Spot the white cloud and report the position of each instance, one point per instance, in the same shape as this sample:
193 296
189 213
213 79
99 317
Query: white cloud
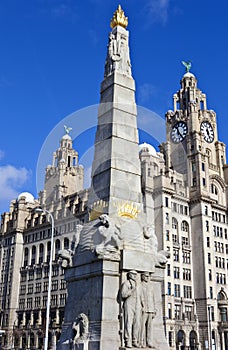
11 181
145 92
158 10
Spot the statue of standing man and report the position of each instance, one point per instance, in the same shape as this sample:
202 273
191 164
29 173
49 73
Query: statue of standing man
131 295
148 311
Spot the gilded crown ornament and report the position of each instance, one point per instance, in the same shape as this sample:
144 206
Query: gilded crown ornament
127 209
119 19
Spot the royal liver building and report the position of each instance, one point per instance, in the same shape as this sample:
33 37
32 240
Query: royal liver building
140 259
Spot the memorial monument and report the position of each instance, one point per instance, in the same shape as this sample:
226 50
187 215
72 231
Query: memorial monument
114 276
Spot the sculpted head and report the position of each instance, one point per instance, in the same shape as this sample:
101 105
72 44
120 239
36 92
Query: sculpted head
132 275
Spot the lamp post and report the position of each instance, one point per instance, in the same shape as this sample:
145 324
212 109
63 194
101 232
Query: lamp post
40 210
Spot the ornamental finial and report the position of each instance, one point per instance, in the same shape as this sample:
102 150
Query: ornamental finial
187 65
67 129
119 19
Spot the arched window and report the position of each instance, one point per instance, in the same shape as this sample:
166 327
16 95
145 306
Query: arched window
41 253
26 255
193 340
66 243
48 251
33 260
57 248
184 226
181 340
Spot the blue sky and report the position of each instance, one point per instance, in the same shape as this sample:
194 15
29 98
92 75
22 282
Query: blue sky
52 63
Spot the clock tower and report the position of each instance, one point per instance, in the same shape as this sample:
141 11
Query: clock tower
192 147
196 159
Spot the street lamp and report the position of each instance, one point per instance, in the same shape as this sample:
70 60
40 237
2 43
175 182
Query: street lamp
40 210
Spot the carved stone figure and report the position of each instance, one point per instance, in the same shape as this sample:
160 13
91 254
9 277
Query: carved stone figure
65 256
131 295
111 237
80 329
148 312
162 256
118 57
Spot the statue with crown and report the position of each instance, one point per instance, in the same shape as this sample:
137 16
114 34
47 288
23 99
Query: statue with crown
114 277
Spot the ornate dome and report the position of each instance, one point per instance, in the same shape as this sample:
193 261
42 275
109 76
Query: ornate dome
149 148
28 197
66 137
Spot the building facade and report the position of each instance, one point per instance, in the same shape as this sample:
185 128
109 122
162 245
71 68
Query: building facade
184 186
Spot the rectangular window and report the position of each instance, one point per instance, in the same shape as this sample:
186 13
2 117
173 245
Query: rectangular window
168 270
176 272
167 235
30 288
169 288
176 254
38 287
166 201
177 310
188 312
169 310
177 290
187 292
208 242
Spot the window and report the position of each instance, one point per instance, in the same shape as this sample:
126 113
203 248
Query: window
169 288
208 242
210 275
214 189
174 224
175 238
170 338
206 210
29 303
211 292
38 273
188 312
207 225
187 274
185 241
62 284
54 285
203 166
187 292
30 288
167 235
184 226
55 271
176 254
177 310
44 300
31 275
38 287
209 258
204 181
166 201
23 289
177 290
37 301
176 272
45 287
186 257
167 218
62 299
168 270
169 310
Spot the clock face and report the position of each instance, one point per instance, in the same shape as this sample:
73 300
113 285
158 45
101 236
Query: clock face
207 132
179 132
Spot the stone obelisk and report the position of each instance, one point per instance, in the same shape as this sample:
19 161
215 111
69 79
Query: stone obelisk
117 246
